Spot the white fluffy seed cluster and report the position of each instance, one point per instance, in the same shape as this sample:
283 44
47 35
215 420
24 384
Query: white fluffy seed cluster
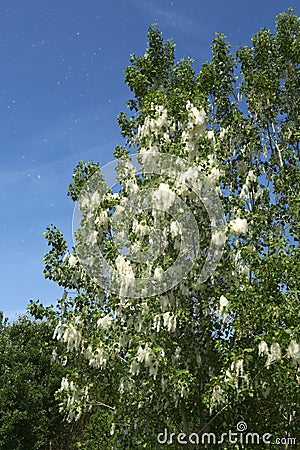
238 226
274 352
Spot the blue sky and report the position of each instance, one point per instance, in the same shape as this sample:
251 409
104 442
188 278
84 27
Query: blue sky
61 89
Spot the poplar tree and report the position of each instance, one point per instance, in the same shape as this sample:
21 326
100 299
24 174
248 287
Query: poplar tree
181 293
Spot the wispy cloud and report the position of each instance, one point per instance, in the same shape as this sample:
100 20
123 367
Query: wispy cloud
170 16
59 146
57 164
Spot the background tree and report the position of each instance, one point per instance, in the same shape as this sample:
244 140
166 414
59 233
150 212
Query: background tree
29 377
198 356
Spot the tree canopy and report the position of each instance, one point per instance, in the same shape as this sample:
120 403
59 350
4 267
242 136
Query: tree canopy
180 312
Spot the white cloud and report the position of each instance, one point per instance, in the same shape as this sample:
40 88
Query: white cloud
174 19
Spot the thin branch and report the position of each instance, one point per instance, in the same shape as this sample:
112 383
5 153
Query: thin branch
102 404
276 145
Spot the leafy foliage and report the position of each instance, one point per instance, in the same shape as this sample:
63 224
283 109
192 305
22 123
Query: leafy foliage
29 414
198 357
